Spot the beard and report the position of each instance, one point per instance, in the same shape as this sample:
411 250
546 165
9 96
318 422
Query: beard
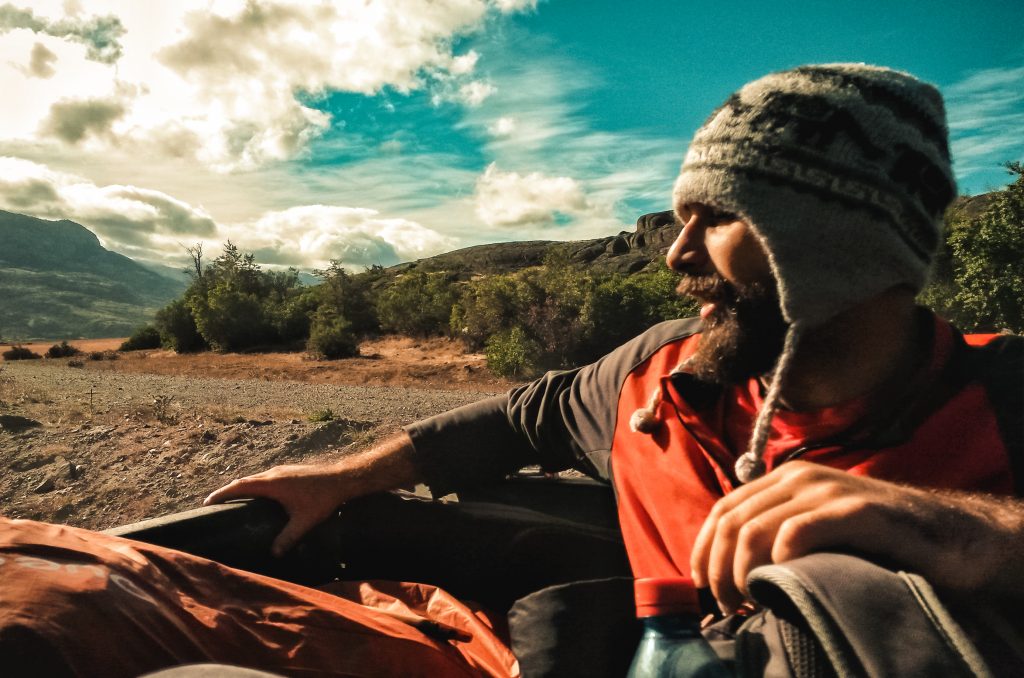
745 333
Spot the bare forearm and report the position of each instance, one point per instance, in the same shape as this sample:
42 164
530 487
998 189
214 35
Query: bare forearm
388 465
970 542
981 537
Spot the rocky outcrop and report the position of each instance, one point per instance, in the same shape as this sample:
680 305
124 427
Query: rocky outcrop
625 253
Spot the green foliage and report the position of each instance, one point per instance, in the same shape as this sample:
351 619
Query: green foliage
323 415
177 327
489 306
331 336
145 337
62 350
232 304
561 314
229 318
978 281
349 296
417 304
511 353
20 353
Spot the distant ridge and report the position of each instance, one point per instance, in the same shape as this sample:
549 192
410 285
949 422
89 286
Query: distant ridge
627 252
57 281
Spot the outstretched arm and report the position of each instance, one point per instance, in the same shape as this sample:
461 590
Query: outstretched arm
310 493
954 539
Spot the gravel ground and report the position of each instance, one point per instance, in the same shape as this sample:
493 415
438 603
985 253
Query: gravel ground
96 448
71 388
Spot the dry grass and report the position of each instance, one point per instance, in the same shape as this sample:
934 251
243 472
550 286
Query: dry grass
83 345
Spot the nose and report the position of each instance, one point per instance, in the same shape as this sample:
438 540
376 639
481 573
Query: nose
687 253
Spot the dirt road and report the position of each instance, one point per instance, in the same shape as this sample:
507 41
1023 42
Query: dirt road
106 443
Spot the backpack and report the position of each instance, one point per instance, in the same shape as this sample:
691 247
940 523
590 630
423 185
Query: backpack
826 614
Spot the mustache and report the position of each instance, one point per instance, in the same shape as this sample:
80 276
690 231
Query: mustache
707 287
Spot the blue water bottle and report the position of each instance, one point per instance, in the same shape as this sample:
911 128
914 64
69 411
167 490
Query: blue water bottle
672 645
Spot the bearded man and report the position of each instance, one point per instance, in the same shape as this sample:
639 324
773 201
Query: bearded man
811 406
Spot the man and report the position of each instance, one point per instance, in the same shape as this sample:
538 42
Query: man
811 406
810 207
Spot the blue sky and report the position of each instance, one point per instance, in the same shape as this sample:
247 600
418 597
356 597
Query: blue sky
389 130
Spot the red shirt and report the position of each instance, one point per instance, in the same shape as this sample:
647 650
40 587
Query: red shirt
944 435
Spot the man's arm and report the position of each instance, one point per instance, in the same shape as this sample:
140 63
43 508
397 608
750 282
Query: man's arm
956 540
310 493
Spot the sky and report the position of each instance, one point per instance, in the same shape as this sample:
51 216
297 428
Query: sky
380 131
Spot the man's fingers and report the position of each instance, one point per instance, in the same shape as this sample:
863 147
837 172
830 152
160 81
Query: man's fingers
236 489
290 536
720 530
701 555
851 522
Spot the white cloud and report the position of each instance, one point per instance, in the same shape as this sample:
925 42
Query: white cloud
513 199
509 6
152 226
311 235
230 83
503 126
474 93
986 116
123 216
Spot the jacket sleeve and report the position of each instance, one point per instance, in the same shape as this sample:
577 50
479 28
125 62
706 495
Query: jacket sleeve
564 419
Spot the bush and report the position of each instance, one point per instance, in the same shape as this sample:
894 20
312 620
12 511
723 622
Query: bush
349 296
75 362
20 353
62 350
331 336
320 416
144 337
512 353
230 319
177 327
103 355
988 256
417 304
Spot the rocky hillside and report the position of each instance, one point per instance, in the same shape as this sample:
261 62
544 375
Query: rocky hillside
626 252
57 281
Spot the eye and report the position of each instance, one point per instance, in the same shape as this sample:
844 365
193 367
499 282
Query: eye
720 216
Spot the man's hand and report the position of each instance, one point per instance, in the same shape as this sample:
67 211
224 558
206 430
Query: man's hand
954 540
309 494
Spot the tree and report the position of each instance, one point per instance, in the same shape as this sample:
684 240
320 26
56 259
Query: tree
417 304
349 296
988 260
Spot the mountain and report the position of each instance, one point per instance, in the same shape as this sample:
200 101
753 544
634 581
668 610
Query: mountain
627 252
57 282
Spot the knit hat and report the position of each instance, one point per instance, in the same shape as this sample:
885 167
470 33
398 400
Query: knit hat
843 173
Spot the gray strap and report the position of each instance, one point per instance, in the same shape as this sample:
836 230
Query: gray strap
869 621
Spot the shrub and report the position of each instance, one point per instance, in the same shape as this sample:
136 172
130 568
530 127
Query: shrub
75 362
349 295
417 304
230 319
142 338
20 353
103 355
62 350
331 336
177 327
988 255
512 353
323 415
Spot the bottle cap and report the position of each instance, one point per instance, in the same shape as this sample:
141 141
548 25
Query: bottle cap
657 596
